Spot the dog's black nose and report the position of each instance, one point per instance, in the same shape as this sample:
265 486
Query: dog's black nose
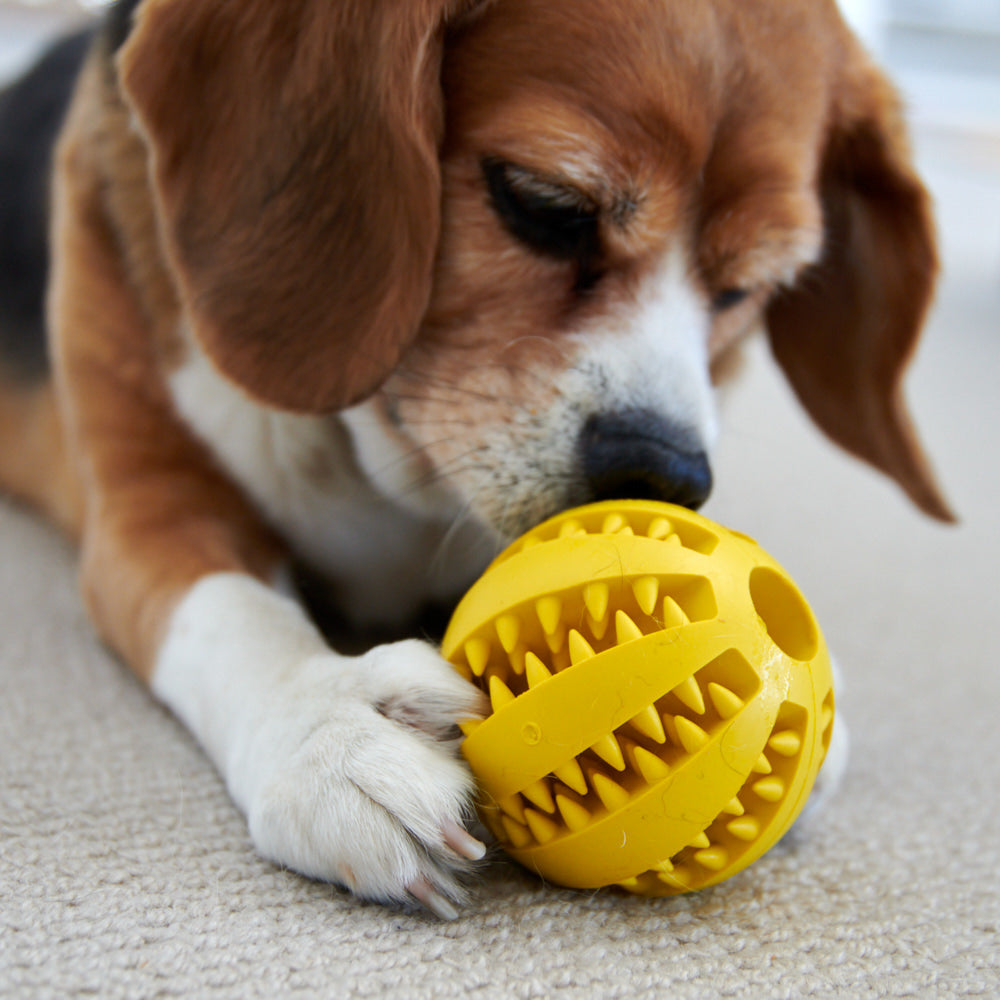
638 455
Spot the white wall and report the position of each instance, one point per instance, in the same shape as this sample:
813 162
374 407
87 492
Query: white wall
868 18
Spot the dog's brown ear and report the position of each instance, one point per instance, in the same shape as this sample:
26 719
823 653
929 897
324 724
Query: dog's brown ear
845 333
294 157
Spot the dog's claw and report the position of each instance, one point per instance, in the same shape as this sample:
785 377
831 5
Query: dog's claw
462 842
432 900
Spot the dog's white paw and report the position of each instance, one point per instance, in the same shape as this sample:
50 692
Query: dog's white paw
347 768
363 785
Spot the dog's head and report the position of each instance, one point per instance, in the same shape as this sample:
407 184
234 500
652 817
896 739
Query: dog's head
536 229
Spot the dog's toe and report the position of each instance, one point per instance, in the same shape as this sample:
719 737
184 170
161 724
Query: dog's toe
368 797
410 683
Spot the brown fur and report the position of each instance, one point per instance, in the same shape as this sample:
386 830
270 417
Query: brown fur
846 334
307 274
157 513
727 153
35 464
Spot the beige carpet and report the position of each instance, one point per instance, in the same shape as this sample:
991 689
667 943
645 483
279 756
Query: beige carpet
126 873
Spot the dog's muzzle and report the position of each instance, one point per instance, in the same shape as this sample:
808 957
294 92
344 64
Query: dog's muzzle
639 455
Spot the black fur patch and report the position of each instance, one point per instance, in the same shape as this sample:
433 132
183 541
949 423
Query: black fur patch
118 23
31 113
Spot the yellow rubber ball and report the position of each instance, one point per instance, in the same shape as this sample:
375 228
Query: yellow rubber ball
662 698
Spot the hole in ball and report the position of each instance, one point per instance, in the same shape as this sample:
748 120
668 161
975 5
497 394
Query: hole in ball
787 618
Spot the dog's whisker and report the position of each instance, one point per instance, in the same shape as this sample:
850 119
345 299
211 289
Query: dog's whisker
463 517
415 452
443 474
447 469
440 383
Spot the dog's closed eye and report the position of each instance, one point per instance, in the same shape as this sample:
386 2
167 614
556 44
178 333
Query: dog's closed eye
555 220
729 298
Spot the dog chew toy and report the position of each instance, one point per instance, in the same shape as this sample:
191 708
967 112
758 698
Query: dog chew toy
662 698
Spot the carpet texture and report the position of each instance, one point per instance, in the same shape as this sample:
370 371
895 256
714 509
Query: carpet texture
126 873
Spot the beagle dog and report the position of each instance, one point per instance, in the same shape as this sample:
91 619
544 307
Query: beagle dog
361 289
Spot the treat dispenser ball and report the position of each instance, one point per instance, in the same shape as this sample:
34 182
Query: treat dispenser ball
662 698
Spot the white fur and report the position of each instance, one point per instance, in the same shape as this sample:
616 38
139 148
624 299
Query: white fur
310 743
355 500
831 776
383 546
649 354
653 355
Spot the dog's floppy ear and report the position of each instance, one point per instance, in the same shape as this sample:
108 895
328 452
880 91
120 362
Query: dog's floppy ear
845 333
294 158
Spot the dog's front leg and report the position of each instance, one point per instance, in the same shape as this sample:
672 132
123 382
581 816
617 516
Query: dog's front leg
345 767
